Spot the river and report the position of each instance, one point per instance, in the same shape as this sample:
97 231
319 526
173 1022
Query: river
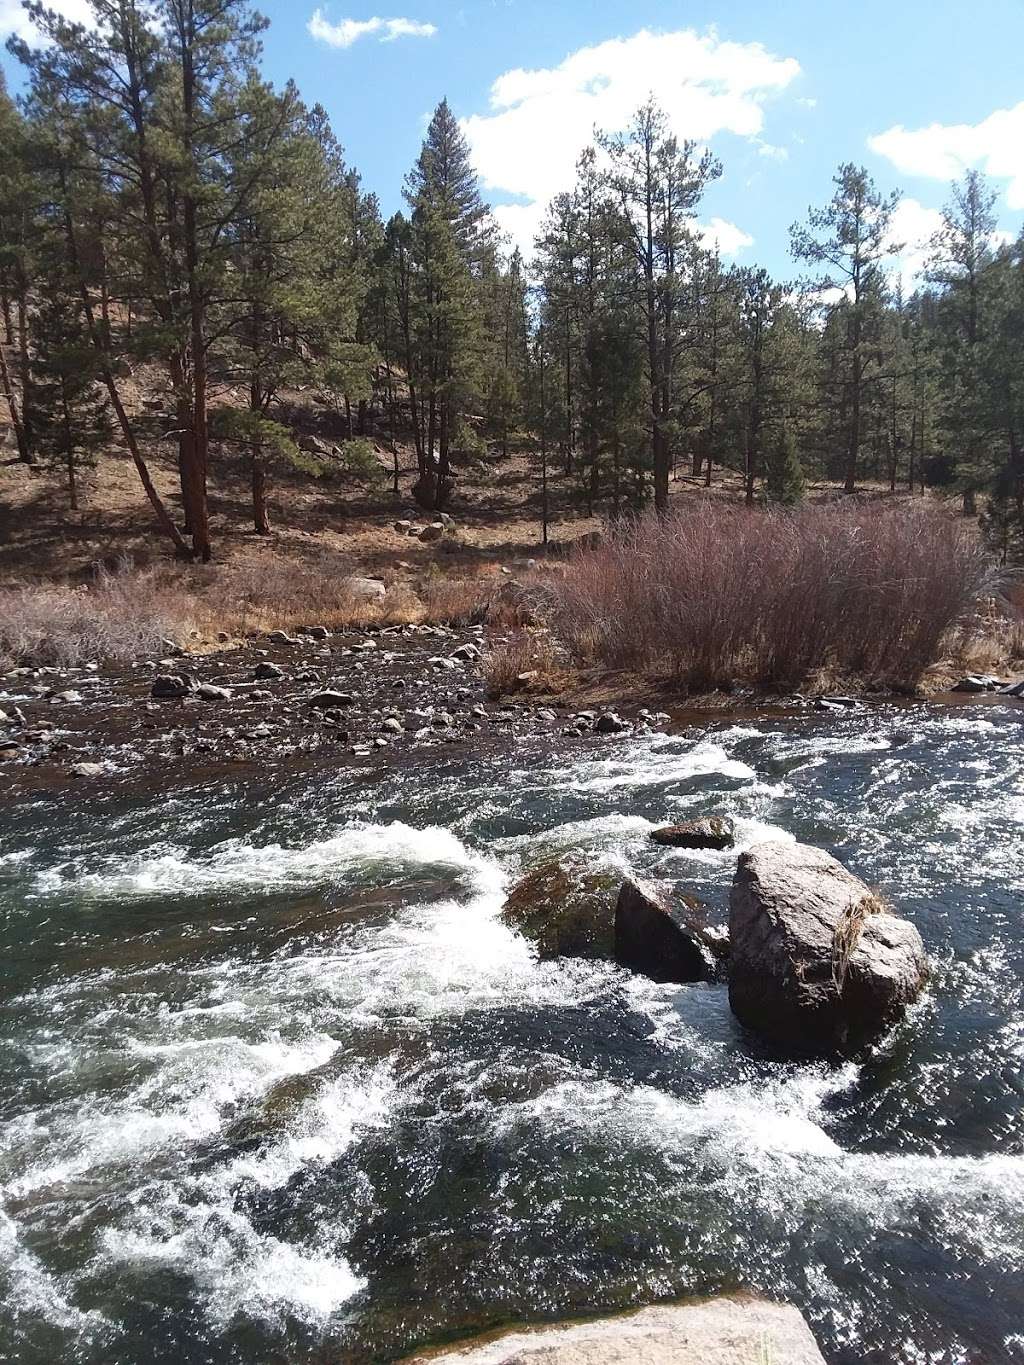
278 1085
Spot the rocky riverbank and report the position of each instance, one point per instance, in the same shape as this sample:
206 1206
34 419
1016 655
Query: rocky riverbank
318 696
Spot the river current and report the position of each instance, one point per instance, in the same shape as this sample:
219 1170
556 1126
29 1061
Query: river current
279 1086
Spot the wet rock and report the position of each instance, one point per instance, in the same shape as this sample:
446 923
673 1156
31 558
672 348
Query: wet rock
610 723
730 1330
9 746
566 910
708 832
659 936
267 672
328 699
1012 690
977 682
817 962
87 769
168 686
211 692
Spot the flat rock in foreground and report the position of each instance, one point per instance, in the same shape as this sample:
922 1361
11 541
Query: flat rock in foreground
817 962
724 1331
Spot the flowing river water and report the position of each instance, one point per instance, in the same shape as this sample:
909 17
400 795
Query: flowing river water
279 1086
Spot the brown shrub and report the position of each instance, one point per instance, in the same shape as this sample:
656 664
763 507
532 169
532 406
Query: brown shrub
716 593
525 661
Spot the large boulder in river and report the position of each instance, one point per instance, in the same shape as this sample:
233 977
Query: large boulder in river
710 831
661 935
570 910
731 1330
565 909
817 961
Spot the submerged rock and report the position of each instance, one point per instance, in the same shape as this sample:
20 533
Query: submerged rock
731 1330
565 910
708 832
660 936
817 962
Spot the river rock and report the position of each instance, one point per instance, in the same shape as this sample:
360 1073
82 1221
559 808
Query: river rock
565 909
314 632
167 686
817 962
1012 690
267 672
977 682
211 692
328 698
281 637
610 723
708 832
731 1330
88 769
658 937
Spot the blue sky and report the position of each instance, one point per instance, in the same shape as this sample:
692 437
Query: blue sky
781 93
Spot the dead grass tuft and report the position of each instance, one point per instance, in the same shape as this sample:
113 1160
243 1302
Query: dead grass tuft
526 662
118 617
848 932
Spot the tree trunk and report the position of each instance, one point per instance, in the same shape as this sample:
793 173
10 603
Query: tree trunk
106 374
260 519
24 454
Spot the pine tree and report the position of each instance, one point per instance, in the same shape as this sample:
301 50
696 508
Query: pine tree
785 482
657 184
73 415
849 239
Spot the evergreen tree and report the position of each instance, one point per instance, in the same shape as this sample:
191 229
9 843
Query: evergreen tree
848 240
785 482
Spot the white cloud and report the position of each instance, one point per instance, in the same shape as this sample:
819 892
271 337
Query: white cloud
943 151
539 121
348 31
14 19
912 227
727 237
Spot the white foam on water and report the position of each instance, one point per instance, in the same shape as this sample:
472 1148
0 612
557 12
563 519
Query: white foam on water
238 865
35 1292
197 1225
657 762
615 830
239 1271
180 1103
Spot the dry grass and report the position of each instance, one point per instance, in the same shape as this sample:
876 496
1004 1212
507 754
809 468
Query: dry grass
848 932
126 614
116 618
525 662
716 594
